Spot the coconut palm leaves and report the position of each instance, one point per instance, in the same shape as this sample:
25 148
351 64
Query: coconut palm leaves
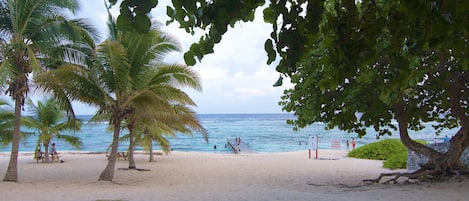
127 79
35 35
6 123
179 119
50 121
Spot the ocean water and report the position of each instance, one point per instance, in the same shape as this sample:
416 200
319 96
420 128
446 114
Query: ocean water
265 133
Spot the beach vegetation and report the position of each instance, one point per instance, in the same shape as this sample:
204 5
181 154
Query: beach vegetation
179 119
35 36
391 151
50 122
397 161
359 64
381 150
161 81
6 123
126 78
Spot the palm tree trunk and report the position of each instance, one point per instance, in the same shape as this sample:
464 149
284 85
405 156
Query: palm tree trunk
131 149
46 152
152 158
108 172
12 171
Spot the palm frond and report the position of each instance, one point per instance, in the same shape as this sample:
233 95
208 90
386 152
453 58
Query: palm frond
177 75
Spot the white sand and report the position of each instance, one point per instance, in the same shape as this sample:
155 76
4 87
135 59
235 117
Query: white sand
205 176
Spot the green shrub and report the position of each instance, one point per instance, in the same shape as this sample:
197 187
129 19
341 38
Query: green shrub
396 161
380 150
391 150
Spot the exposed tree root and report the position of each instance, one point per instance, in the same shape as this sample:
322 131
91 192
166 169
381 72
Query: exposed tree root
138 169
424 173
338 185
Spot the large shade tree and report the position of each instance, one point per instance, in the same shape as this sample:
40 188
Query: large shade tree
35 35
357 64
50 121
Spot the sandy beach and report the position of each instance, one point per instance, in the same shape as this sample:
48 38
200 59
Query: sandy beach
209 176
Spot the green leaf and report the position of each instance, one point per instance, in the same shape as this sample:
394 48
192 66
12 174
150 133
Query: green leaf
124 23
113 2
279 82
189 58
142 23
269 48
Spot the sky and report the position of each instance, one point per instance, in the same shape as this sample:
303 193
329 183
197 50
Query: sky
235 79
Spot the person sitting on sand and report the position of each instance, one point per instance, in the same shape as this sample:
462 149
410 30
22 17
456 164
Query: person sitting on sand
39 154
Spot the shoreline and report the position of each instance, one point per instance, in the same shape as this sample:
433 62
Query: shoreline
210 176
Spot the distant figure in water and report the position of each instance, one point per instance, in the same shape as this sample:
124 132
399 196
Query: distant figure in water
353 143
214 146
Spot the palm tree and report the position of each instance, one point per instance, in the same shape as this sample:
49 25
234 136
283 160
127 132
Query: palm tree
180 119
35 34
49 119
119 83
152 76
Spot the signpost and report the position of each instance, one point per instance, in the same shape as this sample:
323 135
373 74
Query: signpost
313 144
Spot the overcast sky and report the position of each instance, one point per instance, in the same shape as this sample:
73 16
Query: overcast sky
235 79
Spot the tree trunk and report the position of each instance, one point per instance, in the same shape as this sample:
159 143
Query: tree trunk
150 147
452 158
108 173
12 171
46 152
401 118
442 162
131 148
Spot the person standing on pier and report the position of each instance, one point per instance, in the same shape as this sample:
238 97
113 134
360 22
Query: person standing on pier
238 142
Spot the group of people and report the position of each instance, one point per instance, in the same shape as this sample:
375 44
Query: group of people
354 143
53 153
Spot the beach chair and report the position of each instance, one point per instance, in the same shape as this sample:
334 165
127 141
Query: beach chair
120 155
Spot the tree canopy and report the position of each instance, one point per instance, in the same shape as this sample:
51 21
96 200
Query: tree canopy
358 64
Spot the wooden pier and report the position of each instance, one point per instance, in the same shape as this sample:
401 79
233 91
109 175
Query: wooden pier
243 147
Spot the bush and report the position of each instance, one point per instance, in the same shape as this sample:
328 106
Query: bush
396 161
380 150
391 150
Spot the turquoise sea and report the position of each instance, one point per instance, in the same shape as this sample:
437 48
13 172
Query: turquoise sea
265 133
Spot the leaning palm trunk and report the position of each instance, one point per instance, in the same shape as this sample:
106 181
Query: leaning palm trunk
46 152
12 171
108 172
150 148
132 164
